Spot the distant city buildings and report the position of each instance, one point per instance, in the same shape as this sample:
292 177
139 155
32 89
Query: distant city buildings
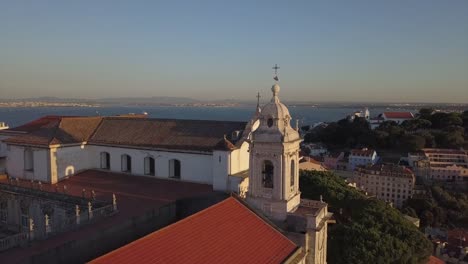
364 114
440 164
398 117
387 182
315 149
364 156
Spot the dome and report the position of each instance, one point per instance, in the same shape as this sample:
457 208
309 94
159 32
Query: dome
275 121
275 110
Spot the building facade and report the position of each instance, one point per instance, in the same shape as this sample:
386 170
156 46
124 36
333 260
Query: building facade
387 182
362 157
440 164
53 148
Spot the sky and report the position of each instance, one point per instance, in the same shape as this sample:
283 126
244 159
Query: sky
363 51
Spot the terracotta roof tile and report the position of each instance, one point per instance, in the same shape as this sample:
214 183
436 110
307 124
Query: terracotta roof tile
402 115
56 130
200 135
227 232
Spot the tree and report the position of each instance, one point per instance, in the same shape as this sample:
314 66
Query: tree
425 113
367 230
412 143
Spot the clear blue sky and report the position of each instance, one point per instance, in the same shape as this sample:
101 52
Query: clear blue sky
328 50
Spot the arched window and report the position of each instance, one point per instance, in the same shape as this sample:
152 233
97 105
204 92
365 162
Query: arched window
270 122
174 168
267 173
149 166
126 163
105 160
28 160
293 173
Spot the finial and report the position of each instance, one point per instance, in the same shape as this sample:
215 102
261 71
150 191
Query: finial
276 67
258 100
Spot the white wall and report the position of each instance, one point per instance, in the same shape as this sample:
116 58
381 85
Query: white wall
221 163
15 164
70 160
194 167
240 159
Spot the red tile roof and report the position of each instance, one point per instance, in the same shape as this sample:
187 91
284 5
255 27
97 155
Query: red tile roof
435 260
198 135
227 232
399 115
52 130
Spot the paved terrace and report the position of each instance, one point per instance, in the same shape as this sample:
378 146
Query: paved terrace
135 196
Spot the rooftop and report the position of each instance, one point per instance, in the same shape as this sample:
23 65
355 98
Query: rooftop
135 131
135 196
387 169
443 151
227 232
399 115
362 152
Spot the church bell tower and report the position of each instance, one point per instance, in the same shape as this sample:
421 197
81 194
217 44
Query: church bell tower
274 160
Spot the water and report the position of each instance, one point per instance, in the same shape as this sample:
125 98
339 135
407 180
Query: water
15 116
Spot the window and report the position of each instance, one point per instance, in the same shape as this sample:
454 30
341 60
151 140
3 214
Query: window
105 160
28 160
267 173
270 122
24 221
174 168
3 211
126 163
293 172
149 166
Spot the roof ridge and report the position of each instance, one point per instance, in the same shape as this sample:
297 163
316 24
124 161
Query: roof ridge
55 131
96 128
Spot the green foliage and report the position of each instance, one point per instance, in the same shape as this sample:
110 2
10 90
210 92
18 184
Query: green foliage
425 113
440 208
444 130
368 230
413 142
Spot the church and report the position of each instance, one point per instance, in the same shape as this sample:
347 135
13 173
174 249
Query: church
257 162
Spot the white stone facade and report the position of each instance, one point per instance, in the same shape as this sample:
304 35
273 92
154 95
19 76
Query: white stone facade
55 163
274 161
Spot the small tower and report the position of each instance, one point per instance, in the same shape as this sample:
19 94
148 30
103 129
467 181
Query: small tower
274 161
366 114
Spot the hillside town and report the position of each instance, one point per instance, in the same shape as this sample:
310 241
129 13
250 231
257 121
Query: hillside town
403 179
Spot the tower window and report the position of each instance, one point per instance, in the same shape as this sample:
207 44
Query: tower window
293 173
270 122
267 173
